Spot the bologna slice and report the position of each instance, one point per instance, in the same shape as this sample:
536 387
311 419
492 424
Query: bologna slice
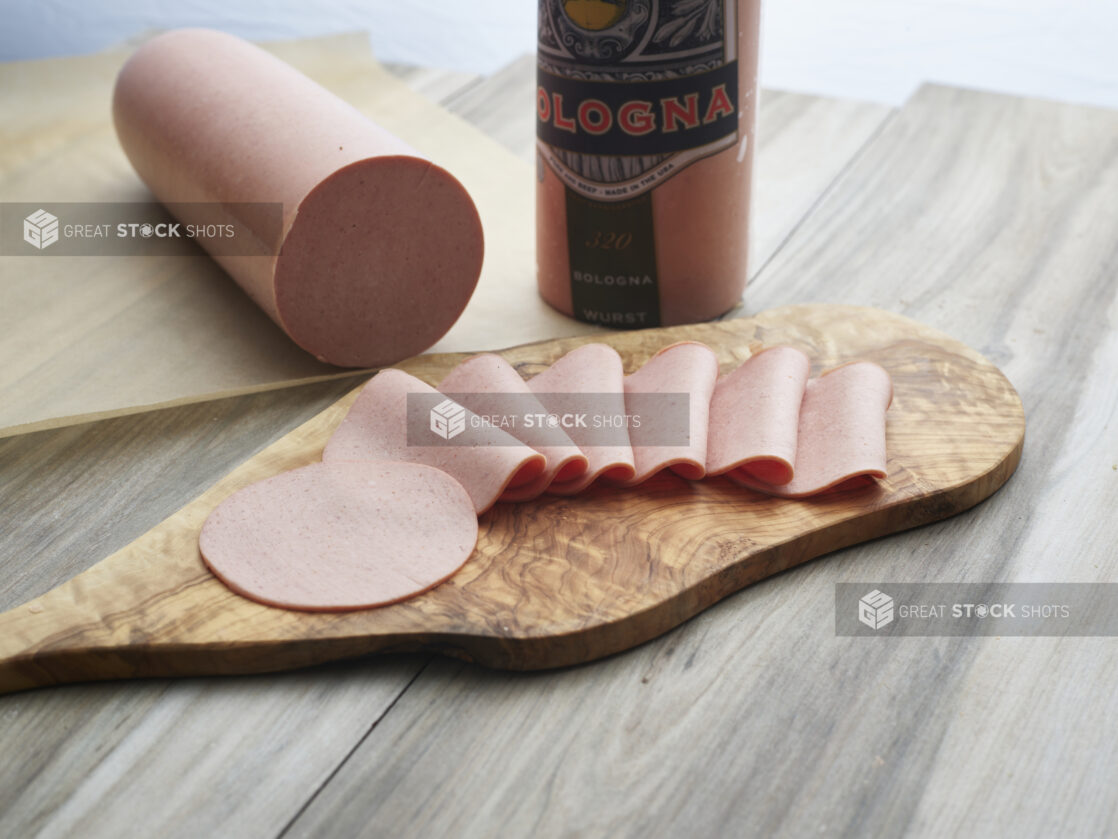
589 382
379 249
490 386
337 536
841 432
671 395
754 416
484 459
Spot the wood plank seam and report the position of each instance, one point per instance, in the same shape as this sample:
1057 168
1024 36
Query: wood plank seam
758 276
349 755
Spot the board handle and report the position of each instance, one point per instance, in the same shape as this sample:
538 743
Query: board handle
63 636
49 641
40 645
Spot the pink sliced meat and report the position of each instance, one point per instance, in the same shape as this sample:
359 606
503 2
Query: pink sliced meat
595 372
484 459
754 416
337 536
488 385
676 383
841 432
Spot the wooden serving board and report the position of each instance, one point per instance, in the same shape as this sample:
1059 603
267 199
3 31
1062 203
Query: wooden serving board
557 581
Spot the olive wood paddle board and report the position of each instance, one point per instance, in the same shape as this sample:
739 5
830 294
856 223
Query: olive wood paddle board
556 581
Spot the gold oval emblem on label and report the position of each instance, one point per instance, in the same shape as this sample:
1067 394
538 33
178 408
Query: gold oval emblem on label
595 15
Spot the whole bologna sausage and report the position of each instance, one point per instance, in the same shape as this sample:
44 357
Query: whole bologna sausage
380 249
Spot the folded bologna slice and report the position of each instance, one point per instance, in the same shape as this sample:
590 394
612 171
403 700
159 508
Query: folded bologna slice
379 249
754 416
490 387
335 536
589 382
841 432
484 459
670 395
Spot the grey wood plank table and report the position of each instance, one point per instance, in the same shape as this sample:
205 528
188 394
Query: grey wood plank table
992 218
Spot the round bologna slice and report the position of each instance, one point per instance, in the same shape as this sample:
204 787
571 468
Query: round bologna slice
337 536
378 249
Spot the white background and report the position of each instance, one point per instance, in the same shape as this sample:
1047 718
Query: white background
876 50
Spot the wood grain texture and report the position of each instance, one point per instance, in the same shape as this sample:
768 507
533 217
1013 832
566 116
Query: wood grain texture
161 749
98 760
125 752
438 85
562 580
503 107
993 217
988 216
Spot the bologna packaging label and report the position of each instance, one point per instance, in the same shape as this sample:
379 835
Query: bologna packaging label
629 93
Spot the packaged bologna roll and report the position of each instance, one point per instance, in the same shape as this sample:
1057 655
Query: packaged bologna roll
378 250
645 116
